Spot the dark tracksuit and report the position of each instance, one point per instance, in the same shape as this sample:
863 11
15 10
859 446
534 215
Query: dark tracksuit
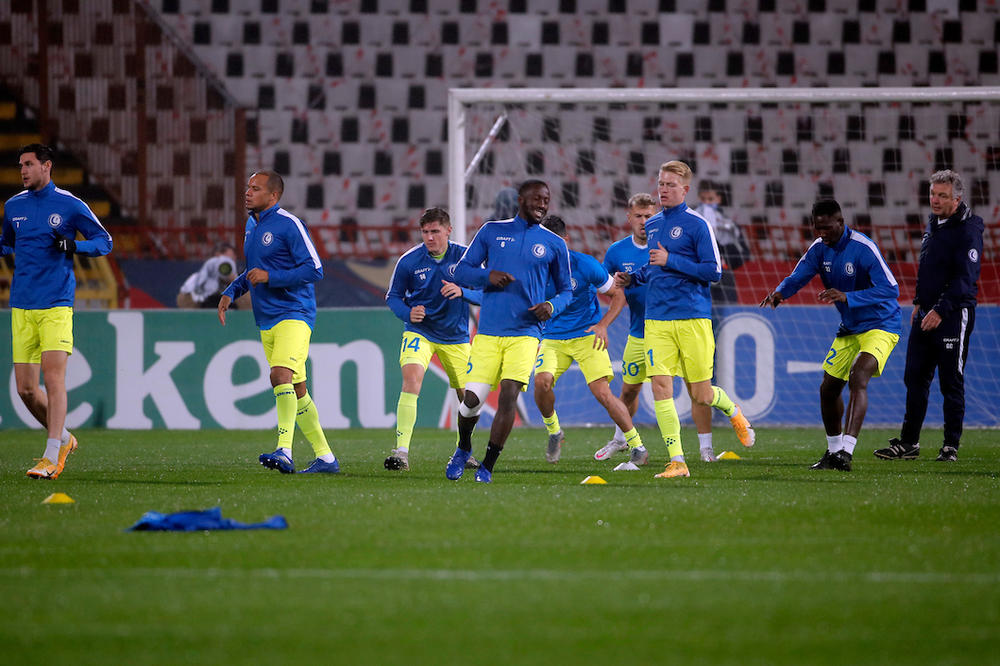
947 282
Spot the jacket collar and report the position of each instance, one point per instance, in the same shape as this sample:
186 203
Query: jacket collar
267 212
679 208
45 191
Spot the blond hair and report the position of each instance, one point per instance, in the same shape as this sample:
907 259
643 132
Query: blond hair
679 168
641 200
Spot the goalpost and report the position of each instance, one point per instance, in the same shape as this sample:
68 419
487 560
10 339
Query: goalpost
771 152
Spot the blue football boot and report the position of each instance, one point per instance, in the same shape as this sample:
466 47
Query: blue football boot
484 475
320 467
456 466
278 461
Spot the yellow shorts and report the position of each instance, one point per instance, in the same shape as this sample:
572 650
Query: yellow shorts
555 356
846 348
286 345
454 358
494 358
680 348
37 331
634 361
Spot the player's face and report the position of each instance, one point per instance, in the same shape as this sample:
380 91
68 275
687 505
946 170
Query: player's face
435 236
534 203
829 228
258 197
943 201
637 216
672 189
34 174
710 197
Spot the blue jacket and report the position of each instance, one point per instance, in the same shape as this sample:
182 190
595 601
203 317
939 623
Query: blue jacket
533 255
950 255
855 267
43 276
279 243
682 288
588 277
626 257
416 280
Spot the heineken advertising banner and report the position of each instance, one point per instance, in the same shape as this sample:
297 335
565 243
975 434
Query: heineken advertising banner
182 370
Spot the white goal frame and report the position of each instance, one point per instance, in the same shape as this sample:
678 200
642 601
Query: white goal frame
459 99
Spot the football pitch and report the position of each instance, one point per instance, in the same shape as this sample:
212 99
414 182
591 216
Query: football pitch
757 561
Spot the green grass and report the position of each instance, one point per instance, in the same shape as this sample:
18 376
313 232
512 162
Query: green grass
760 561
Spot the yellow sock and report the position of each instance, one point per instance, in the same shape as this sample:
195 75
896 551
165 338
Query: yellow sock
670 427
632 438
722 402
284 400
406 416
307 418
551 423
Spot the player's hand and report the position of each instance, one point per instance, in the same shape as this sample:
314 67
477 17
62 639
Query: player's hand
500 278
542 311
223 306
832 296
417 313
65 245
623 280
257 276
658 255
600 336
450 290
931 321
773 299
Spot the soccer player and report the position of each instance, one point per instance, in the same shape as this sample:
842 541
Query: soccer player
579 333
512 261
683 262
944 314
859 283
435 312
40 226
282 265
629 255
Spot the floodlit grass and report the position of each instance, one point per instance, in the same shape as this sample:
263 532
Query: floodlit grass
759 561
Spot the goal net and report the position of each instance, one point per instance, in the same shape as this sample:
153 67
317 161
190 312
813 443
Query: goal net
770 154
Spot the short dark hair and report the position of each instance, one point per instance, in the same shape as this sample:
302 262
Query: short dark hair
41 151
825 208
275 183
531 182
222 247
555 224
706 185
435 214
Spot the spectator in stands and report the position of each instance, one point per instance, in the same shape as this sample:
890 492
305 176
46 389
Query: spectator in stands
857 281
282 265
505 205
435 312
40 226
203 288
733 246
944 313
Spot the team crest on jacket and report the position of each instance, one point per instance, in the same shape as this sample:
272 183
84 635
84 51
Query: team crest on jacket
676 232
538 250
451 270
973 255
55 219
573 283
268 238
849 268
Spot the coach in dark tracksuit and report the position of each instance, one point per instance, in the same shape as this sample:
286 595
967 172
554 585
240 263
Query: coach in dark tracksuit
944 314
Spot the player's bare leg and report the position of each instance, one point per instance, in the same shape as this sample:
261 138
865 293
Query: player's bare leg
49 408
638 455
629 398
831 404
545 400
